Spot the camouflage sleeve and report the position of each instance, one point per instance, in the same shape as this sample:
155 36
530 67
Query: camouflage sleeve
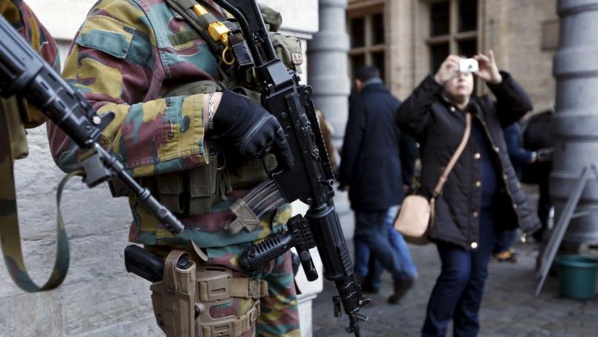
115 63
24 20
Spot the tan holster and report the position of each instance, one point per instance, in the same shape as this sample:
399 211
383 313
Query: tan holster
189 302
173 298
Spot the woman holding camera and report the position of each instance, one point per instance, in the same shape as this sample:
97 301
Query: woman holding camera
482 191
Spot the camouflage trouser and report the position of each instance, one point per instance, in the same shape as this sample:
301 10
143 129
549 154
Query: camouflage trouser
225 301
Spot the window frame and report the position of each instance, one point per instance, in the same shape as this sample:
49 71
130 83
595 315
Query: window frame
368 10
454 37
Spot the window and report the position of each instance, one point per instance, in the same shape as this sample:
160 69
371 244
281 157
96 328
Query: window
439 18
453 30
438 54
368 38
378 29
357 32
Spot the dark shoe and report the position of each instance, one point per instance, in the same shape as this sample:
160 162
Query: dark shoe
367 288
401 288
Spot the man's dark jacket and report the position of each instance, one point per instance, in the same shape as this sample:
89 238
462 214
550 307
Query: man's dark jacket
439 125
370 159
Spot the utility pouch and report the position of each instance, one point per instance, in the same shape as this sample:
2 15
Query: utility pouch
288 49
173 298
170 191
194 191
16 129
202 187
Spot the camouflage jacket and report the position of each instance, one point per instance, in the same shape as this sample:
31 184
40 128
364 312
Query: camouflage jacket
124 58
26 23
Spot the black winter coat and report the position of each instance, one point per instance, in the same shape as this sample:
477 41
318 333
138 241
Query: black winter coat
371 159
439 125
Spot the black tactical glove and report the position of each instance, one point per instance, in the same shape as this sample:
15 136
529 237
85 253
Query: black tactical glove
250 128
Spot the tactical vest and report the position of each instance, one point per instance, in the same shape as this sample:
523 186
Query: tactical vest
225 39
195 191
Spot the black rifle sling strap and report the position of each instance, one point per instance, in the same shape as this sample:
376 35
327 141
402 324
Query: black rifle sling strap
9 221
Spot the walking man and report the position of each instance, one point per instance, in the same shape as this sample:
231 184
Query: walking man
371 170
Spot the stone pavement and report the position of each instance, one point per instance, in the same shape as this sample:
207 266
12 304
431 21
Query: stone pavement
509 309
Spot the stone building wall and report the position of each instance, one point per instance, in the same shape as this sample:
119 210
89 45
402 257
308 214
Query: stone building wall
522 33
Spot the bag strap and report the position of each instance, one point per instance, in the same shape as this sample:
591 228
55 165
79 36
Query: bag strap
456 155
9 225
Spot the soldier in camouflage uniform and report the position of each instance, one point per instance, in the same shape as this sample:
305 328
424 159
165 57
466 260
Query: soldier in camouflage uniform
15 117
130 57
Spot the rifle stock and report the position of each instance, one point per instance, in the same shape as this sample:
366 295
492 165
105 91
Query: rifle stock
311 178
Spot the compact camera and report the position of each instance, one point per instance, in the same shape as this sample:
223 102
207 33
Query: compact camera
468 65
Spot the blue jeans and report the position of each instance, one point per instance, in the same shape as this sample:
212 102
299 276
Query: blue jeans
504 240
459 289
370 262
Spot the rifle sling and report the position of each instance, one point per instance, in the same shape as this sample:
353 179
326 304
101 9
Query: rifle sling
9 228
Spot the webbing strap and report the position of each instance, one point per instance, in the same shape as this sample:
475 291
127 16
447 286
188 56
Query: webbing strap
9 224
214 285
232 327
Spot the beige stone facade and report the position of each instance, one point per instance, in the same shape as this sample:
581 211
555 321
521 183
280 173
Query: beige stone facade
522 33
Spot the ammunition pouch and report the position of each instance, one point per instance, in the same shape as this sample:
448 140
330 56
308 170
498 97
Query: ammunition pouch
195 191
187 302
288 49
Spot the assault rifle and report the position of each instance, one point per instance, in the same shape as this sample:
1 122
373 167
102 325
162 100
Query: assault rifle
310 179
24 72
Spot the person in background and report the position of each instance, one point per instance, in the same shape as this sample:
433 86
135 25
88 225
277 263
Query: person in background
481 192
408 149
503 246
371 170
537 137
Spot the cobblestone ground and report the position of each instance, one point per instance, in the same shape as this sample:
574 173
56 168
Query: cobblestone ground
509 309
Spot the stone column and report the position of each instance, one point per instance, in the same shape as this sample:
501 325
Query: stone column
328 68
328 75
576 118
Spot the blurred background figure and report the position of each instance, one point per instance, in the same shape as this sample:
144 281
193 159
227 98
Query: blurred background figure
371 170
503 244
537 136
